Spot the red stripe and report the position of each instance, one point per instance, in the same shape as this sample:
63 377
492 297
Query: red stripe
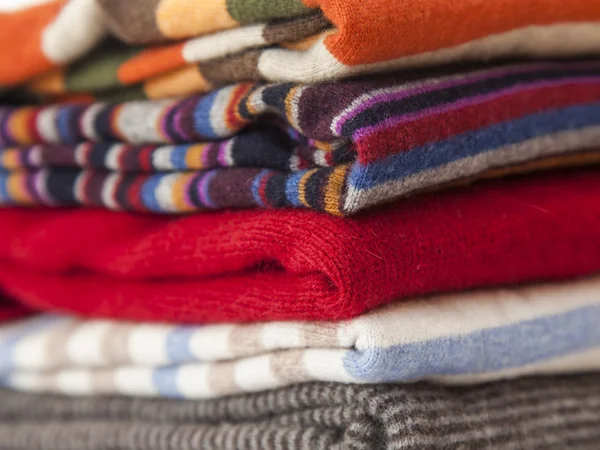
133 194
445 124
145 158
231 115
262 189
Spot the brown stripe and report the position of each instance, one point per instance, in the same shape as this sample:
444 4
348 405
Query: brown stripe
292 30
114 347
232 69
221 378
103 382
133 21
324 335
288 368
56 344
246 340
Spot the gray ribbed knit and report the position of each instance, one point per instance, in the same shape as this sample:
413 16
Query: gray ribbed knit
534 413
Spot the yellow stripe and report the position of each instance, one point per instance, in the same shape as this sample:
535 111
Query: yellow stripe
178 194
49 83
302 187
16 188
10 159
335 187
193 156
177 83
18 125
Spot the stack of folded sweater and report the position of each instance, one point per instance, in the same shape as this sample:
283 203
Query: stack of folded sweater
337 224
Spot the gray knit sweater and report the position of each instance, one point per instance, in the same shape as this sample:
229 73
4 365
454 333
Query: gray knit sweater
533 413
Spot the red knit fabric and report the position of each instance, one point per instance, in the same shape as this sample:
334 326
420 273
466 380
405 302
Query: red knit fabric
259 265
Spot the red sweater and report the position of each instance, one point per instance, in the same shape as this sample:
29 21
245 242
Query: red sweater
291 264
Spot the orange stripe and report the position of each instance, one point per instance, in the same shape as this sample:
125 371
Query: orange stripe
302 187
178 194
232 115
150 63
380 30
18 125
49 83
21 42
193 157
10 159
16 188
335 187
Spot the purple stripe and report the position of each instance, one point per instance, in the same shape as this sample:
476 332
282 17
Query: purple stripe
395 121
180 113
404 93
203 187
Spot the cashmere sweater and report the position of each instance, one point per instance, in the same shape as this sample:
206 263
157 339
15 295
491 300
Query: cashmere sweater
338 147
535 413
469 337
289 264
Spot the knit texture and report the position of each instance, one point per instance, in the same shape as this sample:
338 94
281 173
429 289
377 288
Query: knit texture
532 413
367 37
265 265
120 72
338 147
464 338
39 38
378 35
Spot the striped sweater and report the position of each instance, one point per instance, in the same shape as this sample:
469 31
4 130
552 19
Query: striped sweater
464 338
337 147
537 413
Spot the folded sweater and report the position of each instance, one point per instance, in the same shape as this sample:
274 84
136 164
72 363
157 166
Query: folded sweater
337 147
290 264
532 413
464 338
376 35
367 37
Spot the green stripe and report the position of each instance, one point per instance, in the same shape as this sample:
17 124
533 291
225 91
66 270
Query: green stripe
249 11
98 71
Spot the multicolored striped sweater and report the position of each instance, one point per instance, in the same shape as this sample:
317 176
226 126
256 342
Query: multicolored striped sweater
335 147
364 37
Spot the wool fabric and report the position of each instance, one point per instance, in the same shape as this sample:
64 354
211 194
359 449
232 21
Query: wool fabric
531 413
338 147
39 38
378 35
464 338
366 38
287 264
116 71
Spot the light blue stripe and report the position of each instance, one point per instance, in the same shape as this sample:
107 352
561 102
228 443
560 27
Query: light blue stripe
178 157
466 145
63 124
4 197
148 193
164 380
291 188
202 122
26 328
483 351
178 344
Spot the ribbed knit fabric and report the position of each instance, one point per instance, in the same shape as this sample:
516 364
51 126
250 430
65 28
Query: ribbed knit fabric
464 338
265 265
338 147
535 413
